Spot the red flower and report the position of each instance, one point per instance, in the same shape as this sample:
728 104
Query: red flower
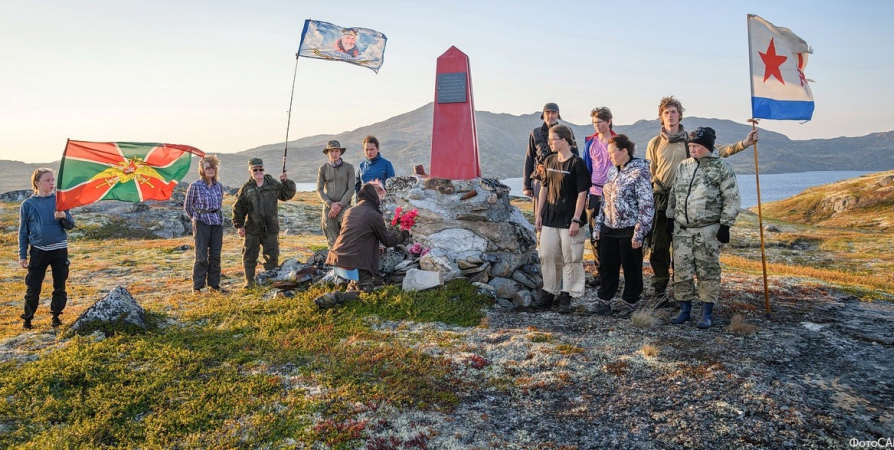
396 216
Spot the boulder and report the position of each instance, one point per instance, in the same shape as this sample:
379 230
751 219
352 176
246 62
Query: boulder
116 307
528 280
16 196
504 287
420 280
522 299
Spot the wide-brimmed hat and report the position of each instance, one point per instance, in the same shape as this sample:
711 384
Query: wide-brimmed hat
334 145
550 107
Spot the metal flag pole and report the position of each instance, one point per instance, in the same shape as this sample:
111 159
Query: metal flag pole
285 151
760 220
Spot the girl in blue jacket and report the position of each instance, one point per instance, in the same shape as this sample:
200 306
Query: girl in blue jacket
43 229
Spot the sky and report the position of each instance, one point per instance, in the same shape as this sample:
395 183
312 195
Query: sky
218 74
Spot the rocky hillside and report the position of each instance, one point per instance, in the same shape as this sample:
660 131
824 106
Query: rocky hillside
865 202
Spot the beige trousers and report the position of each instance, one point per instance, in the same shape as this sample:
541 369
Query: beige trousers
561 261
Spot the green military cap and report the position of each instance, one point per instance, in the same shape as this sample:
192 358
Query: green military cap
255 162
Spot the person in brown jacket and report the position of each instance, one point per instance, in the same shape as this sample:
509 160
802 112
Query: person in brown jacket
357 246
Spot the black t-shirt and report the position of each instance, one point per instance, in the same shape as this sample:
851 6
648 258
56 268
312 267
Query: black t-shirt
564 181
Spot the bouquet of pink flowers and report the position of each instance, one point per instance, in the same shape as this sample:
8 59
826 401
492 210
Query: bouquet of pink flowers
405 219
418 249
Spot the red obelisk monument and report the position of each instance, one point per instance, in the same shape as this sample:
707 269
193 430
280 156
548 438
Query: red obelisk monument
454 138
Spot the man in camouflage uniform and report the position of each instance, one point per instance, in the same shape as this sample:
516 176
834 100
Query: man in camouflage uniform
255 215
702 206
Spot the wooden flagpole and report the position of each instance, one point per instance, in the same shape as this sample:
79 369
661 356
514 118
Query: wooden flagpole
285 151
760 220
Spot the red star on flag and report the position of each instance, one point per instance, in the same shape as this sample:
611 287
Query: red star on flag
772 61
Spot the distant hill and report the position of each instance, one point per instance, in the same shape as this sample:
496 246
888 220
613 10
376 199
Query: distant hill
865 202
502 138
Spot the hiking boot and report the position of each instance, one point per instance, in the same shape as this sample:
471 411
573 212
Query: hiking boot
564 303
685 311
337 298
26 324
707 314
601 309
544 302
219 290
56 322
621 308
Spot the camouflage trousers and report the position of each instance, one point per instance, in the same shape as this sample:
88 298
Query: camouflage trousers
697 254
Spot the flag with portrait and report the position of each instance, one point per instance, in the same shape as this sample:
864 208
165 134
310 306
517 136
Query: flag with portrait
353 45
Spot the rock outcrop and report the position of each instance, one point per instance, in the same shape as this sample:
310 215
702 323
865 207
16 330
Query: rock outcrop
118 307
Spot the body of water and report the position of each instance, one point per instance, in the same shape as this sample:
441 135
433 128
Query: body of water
776 186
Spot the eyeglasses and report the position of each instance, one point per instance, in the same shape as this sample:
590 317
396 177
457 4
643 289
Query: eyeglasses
257 169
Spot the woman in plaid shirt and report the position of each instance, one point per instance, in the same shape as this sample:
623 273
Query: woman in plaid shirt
202 205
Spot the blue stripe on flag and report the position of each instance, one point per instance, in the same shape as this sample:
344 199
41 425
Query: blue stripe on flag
767 108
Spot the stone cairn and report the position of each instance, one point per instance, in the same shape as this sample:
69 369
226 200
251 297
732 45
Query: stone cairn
472 232
470 229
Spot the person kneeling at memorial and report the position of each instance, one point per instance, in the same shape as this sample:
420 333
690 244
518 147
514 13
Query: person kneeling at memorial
702 206
355 253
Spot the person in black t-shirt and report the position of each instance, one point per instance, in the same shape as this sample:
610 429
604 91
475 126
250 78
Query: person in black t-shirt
558 218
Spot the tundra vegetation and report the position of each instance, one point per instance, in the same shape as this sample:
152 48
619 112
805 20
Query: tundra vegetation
256 370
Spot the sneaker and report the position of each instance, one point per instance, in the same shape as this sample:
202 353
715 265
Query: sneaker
621 308
26 324
56 322
601 309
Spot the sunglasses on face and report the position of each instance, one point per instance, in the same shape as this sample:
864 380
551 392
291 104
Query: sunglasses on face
257 169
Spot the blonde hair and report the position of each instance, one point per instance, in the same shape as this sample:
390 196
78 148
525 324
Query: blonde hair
212 161
35 177
667 102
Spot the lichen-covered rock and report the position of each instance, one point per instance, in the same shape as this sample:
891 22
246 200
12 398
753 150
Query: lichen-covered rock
116 307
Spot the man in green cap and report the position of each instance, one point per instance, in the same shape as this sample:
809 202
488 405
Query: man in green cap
255 216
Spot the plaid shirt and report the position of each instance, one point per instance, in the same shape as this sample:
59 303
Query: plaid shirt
203 203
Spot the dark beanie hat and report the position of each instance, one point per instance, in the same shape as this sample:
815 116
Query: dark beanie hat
704 136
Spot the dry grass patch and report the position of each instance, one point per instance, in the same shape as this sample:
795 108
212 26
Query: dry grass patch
879 281
649 350
739 325
645 317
